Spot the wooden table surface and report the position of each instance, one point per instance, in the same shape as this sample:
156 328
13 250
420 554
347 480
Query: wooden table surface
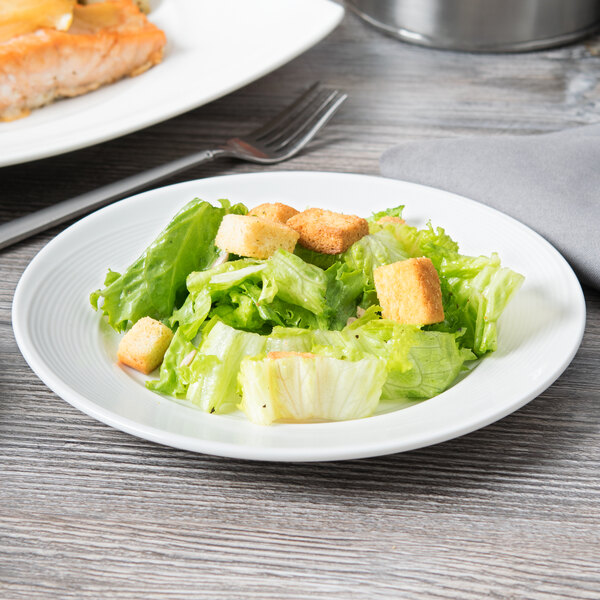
510 511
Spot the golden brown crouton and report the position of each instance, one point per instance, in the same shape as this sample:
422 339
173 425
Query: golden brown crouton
280 354
409 291
144 345
390 219
326 231
277 212
254 237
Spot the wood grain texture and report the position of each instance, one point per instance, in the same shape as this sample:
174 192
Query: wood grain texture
509 512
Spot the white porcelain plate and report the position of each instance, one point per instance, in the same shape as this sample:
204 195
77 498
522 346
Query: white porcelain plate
214 47
71 349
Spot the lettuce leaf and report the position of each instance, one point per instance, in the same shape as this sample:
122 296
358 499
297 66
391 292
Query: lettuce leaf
395 211
323 261
475 290
344 290
155 283
290 339
219 286
214 370
298 282
174 378
370 252
299 388
422 364
192 314
436 244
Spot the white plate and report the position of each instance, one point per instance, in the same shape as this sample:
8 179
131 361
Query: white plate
214 47
67 344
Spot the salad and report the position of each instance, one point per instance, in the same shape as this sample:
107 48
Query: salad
305 316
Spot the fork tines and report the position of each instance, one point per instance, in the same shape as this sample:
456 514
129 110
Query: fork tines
298 122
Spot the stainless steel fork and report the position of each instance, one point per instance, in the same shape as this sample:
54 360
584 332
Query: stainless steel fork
276 141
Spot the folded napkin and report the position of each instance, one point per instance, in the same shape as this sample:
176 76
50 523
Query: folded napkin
550 182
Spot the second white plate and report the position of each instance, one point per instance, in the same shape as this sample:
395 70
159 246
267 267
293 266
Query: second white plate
71 349
214 47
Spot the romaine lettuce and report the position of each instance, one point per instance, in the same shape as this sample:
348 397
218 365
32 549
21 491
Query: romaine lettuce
155 283
298 282
173 379
395 211
372 251
238 311
213 371
344 291
256 295
306 388
475 290
422 364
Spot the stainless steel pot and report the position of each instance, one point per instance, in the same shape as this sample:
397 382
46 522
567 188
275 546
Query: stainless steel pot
482 25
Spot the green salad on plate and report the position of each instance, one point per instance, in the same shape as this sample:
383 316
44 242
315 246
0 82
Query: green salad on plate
302 318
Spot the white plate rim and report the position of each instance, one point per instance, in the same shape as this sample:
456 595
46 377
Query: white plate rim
352 451
324 14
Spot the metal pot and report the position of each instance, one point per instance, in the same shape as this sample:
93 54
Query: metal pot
482 25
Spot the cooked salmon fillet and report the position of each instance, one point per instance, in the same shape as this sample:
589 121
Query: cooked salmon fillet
106 42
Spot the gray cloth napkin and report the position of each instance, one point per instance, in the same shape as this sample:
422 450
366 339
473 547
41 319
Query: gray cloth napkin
550 182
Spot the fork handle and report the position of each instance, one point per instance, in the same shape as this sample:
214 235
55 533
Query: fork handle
24 227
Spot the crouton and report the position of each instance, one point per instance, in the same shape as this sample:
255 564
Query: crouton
277 212
328 232
254 237
280 354
144 345
390 219
409 291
